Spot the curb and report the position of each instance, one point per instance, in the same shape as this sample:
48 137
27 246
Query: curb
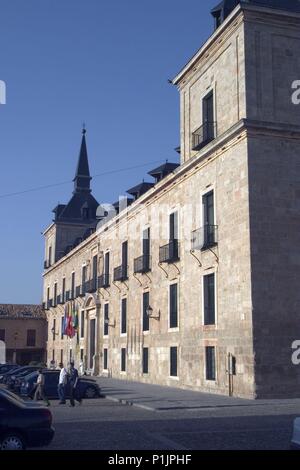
125 402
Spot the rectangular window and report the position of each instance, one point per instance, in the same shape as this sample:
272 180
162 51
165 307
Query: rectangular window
210 359
146 249
173 314
105 359
95 271
81 354
107 264
2 335
123 360
106 319
54 329
208 117
50 256
63 290
82 324
31 338
73 286
62 328
48 295
55 294
173 361
124 316
209 234
61 356
173 230
146 303
145 360
125 259
83 280
209 299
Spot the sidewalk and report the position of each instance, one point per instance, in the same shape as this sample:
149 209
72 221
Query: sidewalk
160 398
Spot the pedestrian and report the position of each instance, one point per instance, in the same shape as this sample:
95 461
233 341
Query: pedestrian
73 384
62 382
40 389
81 368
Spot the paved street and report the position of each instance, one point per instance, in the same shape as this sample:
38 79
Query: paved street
222 424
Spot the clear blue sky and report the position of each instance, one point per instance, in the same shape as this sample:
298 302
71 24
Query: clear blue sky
105 62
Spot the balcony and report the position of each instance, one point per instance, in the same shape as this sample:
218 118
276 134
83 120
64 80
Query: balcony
169 253
59 300
104 281
68 296
80 291
49 304
46 264
91 286
205 237
202 136
120 273
142 264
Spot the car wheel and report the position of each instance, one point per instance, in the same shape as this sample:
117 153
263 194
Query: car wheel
91 392
12 442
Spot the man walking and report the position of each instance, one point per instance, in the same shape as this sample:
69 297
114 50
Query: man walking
40 389
62 382
73 382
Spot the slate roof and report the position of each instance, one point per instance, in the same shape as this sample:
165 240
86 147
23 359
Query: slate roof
35 312
225 7
163 170
140 189
82 197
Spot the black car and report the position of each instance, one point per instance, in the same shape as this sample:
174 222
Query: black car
6 369
87 388
23 424
9 379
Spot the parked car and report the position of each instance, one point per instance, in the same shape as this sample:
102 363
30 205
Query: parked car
22 372
11 370
4 368
295 444
87 387
23 424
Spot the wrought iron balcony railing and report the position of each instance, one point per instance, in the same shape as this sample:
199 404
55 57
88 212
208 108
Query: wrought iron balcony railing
91 286
142 264
205 237
104 280
49 304
169 253
202 136
121 273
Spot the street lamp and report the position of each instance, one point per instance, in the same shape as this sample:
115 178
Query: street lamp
113 325
149 313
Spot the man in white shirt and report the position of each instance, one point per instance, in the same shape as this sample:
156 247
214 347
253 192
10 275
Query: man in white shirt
62 384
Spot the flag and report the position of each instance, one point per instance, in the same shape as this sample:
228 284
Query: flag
65 324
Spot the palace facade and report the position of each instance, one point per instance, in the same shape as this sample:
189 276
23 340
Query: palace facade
192 280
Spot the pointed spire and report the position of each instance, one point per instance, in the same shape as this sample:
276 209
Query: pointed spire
82 177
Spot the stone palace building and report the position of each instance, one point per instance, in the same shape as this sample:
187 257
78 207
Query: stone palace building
193 279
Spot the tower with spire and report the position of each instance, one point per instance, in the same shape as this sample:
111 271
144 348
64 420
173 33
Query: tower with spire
75 220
